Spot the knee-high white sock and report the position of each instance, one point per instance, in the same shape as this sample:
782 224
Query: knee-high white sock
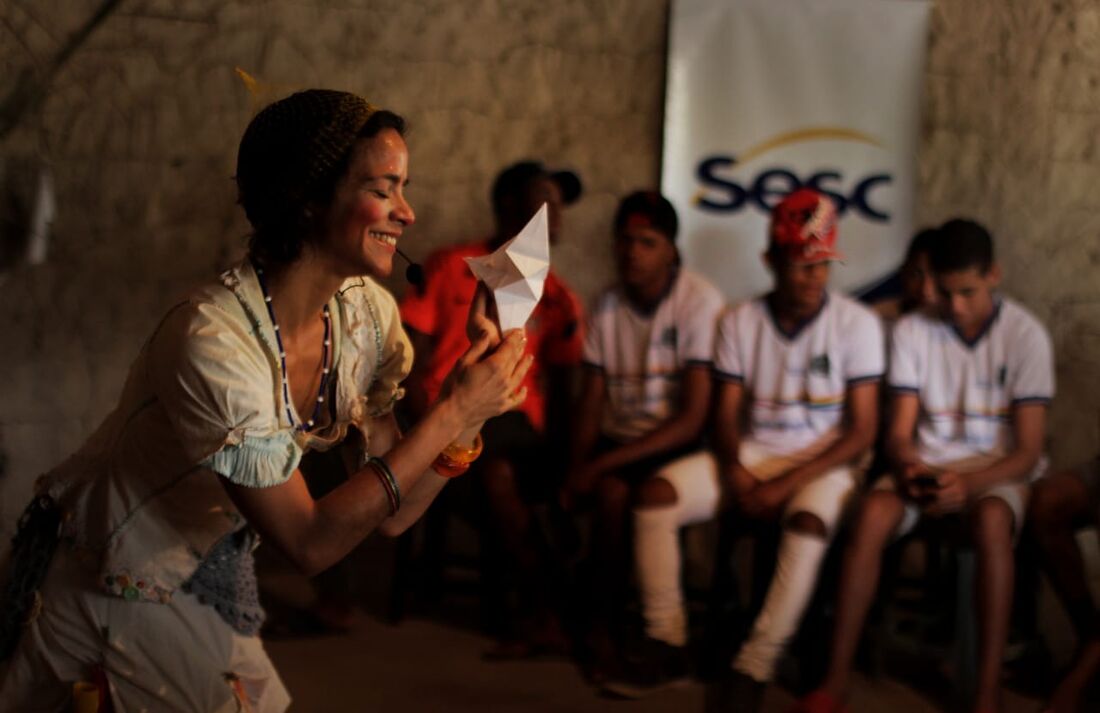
788 595
657 557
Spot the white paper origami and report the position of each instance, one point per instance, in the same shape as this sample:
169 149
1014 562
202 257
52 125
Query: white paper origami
516 272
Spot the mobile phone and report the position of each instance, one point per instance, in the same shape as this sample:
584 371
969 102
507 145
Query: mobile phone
927 481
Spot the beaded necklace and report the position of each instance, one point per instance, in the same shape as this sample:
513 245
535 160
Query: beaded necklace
282 358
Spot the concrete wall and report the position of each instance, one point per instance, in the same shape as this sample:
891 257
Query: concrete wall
1011 136
140 128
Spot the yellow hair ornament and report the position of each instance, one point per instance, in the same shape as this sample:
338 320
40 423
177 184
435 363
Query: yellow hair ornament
261 93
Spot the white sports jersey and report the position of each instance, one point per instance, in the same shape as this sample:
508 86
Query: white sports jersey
643 356
796 384
967 389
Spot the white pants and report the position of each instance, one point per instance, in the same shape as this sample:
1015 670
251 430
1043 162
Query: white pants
170 657
695 480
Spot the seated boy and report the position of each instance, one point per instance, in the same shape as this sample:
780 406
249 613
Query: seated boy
796 414
645 394
971 387
516 468
915 287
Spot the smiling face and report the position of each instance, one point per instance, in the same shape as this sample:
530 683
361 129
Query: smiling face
368 212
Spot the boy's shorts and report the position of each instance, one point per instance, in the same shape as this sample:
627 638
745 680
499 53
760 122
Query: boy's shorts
1014 495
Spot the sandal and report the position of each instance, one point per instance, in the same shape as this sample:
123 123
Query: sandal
819 701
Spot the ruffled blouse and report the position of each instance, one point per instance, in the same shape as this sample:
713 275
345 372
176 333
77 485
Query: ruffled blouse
204 400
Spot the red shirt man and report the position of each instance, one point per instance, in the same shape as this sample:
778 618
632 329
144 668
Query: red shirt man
516 467
434 312
438 311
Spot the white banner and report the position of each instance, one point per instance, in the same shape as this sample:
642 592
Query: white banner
765 96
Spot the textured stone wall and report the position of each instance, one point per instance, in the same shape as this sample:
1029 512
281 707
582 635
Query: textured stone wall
140 129
1011 129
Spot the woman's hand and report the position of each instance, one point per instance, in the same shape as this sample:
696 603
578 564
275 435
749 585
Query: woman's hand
483 317
485 382
483 385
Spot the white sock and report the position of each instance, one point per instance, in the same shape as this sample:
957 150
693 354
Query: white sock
791 587
657 558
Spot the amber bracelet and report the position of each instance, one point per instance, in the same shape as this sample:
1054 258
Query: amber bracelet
454 460
449 471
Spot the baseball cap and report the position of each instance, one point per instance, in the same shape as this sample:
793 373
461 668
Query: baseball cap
518 175
647 209
803 227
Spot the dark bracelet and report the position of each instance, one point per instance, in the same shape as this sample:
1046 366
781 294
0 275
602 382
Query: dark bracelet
385 475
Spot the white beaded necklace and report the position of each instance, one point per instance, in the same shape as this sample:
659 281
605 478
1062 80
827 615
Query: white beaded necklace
325 366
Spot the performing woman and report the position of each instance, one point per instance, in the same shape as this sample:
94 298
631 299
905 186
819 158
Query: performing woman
152 585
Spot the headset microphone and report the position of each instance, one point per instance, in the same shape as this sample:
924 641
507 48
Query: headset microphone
414 273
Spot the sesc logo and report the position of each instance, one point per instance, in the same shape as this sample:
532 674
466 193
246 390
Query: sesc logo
721 193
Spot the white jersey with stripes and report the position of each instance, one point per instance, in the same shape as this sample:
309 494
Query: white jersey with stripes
643 357
968 388
796 382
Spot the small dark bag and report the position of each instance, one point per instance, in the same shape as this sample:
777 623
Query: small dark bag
33 546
